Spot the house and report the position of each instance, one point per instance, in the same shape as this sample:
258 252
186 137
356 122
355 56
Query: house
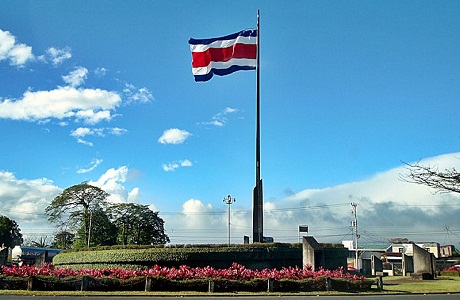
447 250
407 249
365 254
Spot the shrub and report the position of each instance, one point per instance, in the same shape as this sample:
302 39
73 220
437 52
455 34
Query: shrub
274 255
12 283
184 278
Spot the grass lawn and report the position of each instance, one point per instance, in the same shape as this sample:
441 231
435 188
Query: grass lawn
442 284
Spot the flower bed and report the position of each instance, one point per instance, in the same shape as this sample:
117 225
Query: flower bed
235 278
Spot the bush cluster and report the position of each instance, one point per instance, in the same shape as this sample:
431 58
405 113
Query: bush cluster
235 272
275 254
184 278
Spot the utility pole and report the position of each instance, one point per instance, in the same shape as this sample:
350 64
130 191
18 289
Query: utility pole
229 200
354 224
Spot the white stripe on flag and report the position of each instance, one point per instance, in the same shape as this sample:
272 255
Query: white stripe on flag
224 43
224 65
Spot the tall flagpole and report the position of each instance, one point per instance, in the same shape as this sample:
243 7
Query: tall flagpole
257 217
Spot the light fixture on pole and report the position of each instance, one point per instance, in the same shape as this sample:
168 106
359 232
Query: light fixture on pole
354 225
302 228
229 200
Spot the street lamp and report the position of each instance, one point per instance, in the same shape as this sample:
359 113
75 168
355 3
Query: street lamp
229 200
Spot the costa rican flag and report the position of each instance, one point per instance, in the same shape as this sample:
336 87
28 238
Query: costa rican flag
223 55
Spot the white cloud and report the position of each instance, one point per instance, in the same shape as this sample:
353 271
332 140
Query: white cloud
175 165
185 163
117 131
198 222
174 136
58 56
387 208
84 142
94 164
220 119
87 105
76 77
101 72
229 110
134 195
17 54
170 167
7 42
25 200
112 181
90 116
20 54
81 132
134 94
197 215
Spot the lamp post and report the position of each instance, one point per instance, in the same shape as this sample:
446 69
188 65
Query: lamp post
229 200
355 226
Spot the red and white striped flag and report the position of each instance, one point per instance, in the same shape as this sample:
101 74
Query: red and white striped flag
223 55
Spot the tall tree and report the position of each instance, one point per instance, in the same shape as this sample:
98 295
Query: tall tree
444 181
137 224
102 231
63 240
74 207
10 233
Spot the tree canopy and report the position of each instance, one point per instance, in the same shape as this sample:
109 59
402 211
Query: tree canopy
102 231
137 224
73 208
444 181
10 233
63 240
83 209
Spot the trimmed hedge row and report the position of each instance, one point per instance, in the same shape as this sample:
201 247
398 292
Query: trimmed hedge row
47 283
252 256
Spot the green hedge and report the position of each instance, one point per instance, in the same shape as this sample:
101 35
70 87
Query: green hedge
273 255
12 283
47 283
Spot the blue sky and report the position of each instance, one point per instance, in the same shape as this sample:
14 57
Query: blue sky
102 91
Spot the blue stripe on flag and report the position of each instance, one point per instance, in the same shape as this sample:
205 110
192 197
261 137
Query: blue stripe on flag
222 72
246 33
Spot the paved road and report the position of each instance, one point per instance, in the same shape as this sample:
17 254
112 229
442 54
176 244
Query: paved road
382 297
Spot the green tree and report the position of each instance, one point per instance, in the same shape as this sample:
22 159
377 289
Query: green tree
137 224
63 240
102 231
10 233
74 206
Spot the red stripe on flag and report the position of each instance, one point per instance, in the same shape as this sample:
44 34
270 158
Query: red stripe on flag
202 59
